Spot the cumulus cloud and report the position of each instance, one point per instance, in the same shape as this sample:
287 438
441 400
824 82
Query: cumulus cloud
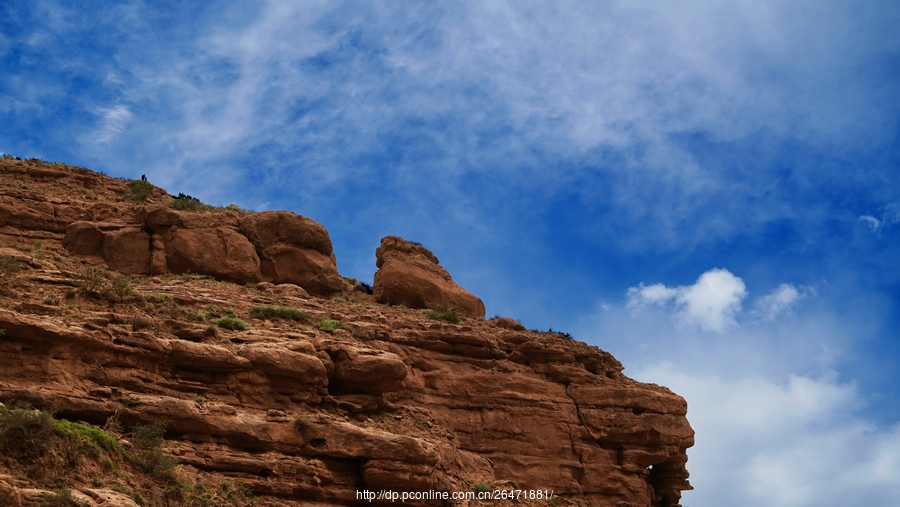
711 303
798 442
779 301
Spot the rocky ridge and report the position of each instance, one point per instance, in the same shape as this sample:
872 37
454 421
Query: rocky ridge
340 394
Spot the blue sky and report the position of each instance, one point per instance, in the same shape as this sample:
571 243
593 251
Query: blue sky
708 190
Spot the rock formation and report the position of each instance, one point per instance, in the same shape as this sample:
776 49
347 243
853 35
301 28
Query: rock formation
92 216
410 275
318 399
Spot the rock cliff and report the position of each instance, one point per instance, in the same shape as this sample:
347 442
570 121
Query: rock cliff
281 383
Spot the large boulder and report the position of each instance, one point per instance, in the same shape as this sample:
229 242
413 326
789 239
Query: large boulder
221 252
410 275
293 249
124 248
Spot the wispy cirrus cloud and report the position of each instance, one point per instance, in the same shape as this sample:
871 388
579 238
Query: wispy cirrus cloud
890 215
113 121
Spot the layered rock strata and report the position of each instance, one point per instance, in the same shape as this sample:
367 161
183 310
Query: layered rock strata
299 412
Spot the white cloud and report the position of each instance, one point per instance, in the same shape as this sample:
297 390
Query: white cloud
871 221
113 122
779 301
890 216
711 303
796 443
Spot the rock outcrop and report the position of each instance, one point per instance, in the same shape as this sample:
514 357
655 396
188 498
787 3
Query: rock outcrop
93 217
410 275
329 399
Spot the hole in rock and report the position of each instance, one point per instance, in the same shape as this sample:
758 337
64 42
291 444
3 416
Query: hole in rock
317 443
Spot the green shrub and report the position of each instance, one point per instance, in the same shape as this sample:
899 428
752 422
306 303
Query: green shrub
442 312
139 190
121 287
480 487
236 494
269 312
137 323
234 208
301 423
185 202
329 325
163 298
25 433
93 281
8 265
148 455
108 465
231 322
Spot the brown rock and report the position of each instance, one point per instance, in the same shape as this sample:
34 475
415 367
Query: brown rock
409 275
127 250
122 248
508 323
305 267
268 228
275 360
108 498
9 495
84 238
220 252
293 249
206 357
366 370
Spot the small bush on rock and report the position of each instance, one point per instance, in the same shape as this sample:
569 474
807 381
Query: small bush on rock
232 322
148 454
121 287
329 325
185 202
301 423
93 281
442 312
8 265
139 191
269 312
25 433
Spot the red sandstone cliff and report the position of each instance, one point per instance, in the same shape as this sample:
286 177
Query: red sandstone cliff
352 395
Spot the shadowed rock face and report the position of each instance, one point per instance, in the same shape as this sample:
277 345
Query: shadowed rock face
410 275
388 400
